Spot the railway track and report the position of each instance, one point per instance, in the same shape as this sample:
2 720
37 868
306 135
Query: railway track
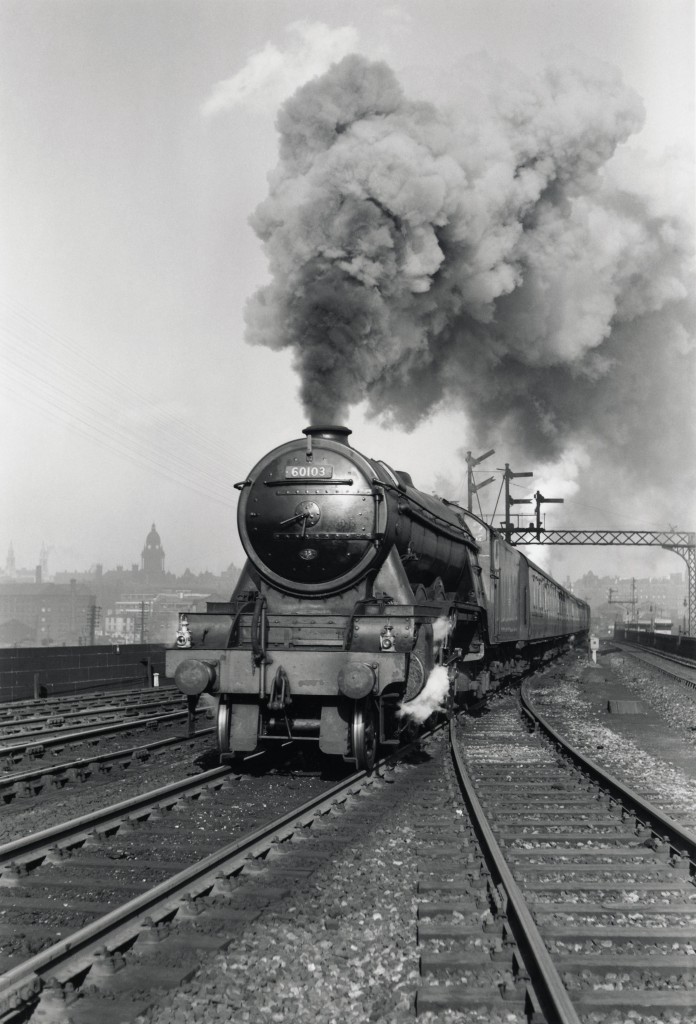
590 887
671 665
543 892
38 726
55 777
121 920
640 725
32 749
42 705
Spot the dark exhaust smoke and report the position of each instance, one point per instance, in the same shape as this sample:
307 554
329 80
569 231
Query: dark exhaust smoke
508 256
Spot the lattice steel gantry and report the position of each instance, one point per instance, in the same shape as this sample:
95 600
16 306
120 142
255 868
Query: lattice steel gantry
681 542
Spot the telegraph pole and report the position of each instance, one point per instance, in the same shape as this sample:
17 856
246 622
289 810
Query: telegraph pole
631 600
472 487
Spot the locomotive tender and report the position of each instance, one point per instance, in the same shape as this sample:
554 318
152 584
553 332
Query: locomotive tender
357 586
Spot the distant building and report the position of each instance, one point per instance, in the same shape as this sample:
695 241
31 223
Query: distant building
166 609
10 565
14 633
153 556
43 562
127 620
664 596
121 605
150 619
42 614
11 573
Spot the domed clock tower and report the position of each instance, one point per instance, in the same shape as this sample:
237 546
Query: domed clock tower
153 554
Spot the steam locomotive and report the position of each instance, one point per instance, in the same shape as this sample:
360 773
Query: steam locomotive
356 588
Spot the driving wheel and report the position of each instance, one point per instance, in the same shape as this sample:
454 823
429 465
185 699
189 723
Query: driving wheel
364 734
224 732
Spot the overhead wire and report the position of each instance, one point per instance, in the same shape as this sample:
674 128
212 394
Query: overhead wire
95 396
651 524
88 402
50 399
36 395
104 373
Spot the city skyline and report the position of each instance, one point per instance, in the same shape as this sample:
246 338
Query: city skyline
101 568
145 603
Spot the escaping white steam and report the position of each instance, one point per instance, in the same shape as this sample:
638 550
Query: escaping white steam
432 696
441 628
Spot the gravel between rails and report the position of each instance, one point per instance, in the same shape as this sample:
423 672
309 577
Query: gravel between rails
341 949
344 950
653 751
107 786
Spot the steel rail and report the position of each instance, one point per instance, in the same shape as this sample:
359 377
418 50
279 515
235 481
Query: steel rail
85 695
682 841
546 983
123 924
640 654
7 781
37 845
86 734
34 847
89 712
112 718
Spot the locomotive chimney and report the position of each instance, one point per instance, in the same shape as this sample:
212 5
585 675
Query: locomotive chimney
339 434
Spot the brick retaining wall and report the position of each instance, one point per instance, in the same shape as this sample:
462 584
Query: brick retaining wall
65 670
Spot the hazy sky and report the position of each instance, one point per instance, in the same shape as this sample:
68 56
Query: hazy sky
137 140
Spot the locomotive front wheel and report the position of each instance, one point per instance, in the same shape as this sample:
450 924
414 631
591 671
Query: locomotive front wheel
224 730
224 726
364 734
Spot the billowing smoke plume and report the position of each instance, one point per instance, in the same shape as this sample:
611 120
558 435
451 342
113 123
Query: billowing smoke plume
501 257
